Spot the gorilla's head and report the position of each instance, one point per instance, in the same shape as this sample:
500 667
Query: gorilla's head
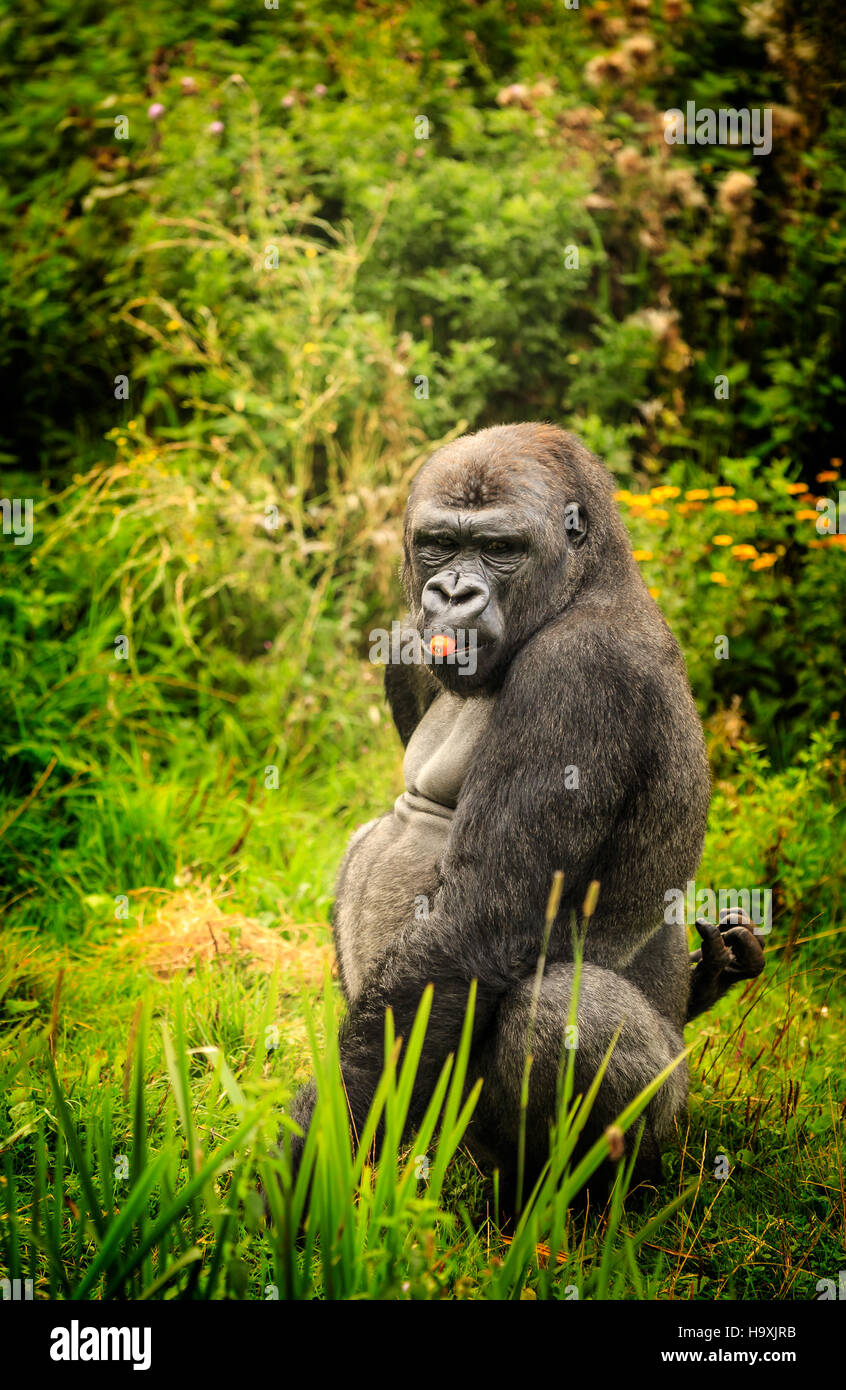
504 530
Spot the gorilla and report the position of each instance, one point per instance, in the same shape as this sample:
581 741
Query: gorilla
569 742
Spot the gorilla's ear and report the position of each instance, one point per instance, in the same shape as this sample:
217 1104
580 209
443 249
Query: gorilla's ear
575 523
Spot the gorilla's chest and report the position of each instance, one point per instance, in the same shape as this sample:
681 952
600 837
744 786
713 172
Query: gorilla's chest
440 752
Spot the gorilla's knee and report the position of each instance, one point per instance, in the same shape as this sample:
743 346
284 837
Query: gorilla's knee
645 1046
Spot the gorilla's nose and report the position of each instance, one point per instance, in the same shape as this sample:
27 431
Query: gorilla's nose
456 599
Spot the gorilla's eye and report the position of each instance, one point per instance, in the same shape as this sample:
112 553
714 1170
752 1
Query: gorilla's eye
501 547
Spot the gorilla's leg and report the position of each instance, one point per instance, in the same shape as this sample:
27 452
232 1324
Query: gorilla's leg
647 1044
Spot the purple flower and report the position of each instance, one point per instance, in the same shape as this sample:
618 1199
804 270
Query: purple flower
216 128
155 111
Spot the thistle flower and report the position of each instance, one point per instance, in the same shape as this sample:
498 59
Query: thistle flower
734 195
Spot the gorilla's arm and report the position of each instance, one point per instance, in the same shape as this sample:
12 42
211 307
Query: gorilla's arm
409 690
562 706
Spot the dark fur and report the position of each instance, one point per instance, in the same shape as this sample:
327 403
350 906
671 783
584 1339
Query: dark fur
585 673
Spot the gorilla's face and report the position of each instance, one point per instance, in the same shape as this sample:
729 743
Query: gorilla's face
485 568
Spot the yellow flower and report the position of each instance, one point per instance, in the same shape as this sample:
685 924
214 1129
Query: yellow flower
723 492
697 494
723 540
793 488
641 555
310 347
623 495
193 558
311 252
745 504
663 492
658 514
805 514
725 504
764 562
827 476
637 501
744 552
838 539
173 325
653 592
717 577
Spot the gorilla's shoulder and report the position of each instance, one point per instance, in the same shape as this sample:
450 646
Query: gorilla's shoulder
603 645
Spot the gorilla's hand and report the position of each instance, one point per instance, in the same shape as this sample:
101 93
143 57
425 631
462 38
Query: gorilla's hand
729 952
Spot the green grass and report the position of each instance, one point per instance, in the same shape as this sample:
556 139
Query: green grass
132 1162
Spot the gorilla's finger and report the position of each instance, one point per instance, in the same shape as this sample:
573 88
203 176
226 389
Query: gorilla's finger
713 948
735 917
746 951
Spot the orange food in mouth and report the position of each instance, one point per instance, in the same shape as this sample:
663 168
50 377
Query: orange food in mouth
440 645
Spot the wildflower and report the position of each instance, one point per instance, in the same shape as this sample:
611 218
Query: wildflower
681 183
216 128
723 540
794 488
725 504
653 592
724 492
663 492
827 476
640 555
658 514
805 514
155 111
172 325
289 100
319 89
606 67
188 85
717 577
765 561
735 193
628 162
623 495
515 95
744 552
638 49
745 504
311 252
